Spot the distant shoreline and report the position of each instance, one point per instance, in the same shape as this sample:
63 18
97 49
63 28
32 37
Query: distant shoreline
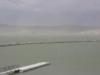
53 42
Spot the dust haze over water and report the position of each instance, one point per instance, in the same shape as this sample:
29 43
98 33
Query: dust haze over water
65 58
53 29
48 33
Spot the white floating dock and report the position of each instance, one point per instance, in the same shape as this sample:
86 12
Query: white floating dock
25 68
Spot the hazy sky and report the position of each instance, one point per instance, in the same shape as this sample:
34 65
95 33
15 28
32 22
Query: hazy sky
50 12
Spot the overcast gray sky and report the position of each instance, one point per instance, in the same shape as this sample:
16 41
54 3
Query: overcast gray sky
50 12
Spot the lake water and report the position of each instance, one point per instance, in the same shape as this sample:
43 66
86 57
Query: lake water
66 58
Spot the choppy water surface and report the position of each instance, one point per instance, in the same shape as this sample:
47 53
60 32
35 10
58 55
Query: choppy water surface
66 58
